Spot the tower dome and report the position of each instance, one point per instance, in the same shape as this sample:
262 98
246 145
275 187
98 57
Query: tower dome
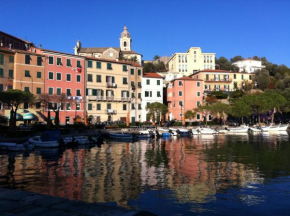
125 33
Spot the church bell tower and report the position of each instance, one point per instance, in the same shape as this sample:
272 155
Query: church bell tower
125 40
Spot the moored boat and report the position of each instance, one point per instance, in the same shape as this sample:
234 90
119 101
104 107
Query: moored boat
207 130
49 139
234 130
8 146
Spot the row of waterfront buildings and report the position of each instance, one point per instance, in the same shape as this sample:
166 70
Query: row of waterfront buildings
107 83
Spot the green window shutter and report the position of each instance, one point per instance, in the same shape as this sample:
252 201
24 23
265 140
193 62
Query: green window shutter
158 82
38 90
58 91
50 75
198 93
198 84
125 68
58 76
139 72
133 95
27 73
11 58
139 95
109 66
27 59
78 78
90 64
1 59
58 61
99 78
94 92
109 106
132 71
98 106
50 91
79 64
26 89
50 60
148 82
39 61
90 106
125 81
90 78
99 65
11 74
68 62
78 92
1 72
38 74
68 77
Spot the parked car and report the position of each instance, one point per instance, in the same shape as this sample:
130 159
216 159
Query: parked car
232 123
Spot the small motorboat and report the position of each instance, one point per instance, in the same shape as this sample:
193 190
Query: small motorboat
194 131
203 130
49 139
173 131
145 134
161 132
122 136
8 146
82 140
256 129
182 132
234 130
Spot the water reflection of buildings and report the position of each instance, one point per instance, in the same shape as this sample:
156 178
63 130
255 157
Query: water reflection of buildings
194 169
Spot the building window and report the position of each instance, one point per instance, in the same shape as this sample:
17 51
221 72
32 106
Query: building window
125 81
58 76
39 61
109 106
198 103
78 78
78 92
90 78
1 59
79 65
26 89
67 106
109 66
90 64
139 107
235 76
158 94
68 62
198 116
1 72
148 93
38 90
78 106
11 74
125 68
132 95
139 72
179 93
38 75
139 95
27 73
58 91
147 82
27 59
242 77
180 103
99 65
132 83
124 106
98 106
99 78
158 82
180 83
198 94
50 91
132 106
50 60
90 106
11 58
132 71
198 84
68 77
50 75
68 92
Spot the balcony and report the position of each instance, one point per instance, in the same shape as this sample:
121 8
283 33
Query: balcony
95 98
111 111
218 80
111 85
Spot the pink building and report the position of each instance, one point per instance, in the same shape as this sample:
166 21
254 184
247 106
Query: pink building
65 73
184 94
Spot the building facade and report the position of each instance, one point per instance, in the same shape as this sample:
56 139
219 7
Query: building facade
65 81
152 91
184 94
249 65
191 61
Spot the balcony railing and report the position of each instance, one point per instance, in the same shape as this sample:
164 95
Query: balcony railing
111 85
218 80
108 98
220 89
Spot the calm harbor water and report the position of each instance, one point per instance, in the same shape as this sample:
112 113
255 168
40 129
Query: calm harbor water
204 175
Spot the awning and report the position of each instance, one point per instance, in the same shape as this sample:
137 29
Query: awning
18 116
28 116
52 118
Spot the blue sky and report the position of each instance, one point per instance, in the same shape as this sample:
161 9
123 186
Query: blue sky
161 27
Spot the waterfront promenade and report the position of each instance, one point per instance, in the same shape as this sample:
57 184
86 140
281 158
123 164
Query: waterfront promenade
15 202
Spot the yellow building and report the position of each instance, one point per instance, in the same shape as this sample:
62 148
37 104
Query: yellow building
191 61
111 89
221 80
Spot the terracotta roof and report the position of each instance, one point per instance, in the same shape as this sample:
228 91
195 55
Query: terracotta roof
152 75
108 60
19 51
97 49
47 50
218 71
16 37
130 52
208 70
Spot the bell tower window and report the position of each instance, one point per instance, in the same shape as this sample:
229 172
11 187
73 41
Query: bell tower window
125 44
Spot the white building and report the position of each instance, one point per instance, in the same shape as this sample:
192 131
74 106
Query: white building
152 91
249 65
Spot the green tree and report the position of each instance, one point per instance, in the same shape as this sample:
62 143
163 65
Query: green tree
220 110
13 98
134 59
262 79
58 101
236 58
205 110
240 109
237 94
189 114
149 67
156 57
156 110
224 64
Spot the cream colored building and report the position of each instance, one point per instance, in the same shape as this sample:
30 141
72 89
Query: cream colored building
124 52
221 80
249 65
109 90
193 60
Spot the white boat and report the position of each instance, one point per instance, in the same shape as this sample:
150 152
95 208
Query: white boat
283 127
163 132
255 129
234 130
49 139
80 140
207 131
194 131
8 146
